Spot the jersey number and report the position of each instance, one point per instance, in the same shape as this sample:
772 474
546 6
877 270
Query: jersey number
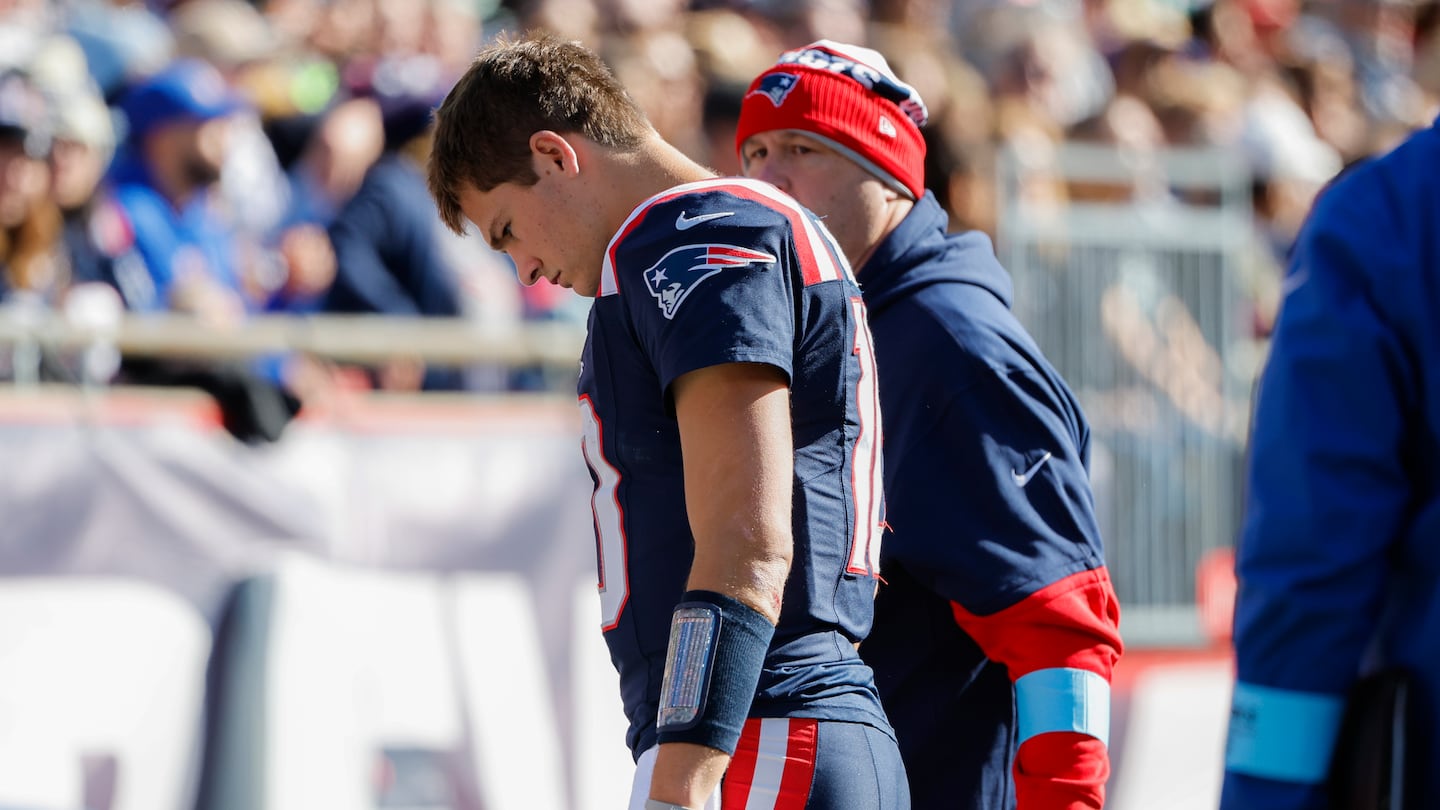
609 521
866 466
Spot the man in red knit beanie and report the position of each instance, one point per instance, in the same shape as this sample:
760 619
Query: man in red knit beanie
996 627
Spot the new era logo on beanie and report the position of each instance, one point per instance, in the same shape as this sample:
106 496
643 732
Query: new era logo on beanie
848 97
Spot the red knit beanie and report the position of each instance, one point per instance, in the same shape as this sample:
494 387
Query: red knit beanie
848 97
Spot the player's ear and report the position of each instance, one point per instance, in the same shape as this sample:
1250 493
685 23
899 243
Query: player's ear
552 152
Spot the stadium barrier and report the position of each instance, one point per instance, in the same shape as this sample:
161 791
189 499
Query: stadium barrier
102 688
407 584
1139 288
392 607
91 339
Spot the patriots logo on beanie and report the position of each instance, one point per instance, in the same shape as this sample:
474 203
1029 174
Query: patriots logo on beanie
851 61
775 86
847 97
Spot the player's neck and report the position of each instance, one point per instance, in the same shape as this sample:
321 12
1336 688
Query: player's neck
650 169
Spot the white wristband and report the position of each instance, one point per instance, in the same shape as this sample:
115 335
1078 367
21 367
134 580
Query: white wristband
656 804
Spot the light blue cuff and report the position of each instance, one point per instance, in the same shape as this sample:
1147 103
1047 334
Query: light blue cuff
1063 699
1282 734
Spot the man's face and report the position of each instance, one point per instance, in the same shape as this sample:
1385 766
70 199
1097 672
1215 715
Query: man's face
76 169
205 156
542 229
850 200
193 149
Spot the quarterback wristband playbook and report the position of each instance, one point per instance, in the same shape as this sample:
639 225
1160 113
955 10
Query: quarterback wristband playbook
717 648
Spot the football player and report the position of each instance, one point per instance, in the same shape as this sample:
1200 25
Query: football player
731 426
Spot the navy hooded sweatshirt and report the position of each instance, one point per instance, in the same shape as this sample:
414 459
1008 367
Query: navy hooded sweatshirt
997 628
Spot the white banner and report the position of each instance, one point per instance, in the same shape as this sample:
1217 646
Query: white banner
401 596
393 607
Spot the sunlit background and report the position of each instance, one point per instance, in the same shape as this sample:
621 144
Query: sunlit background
293 513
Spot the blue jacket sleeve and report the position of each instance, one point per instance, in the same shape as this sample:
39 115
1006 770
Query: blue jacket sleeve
1004 440
156 243
1326 494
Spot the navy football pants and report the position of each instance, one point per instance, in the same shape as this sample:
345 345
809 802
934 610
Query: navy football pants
801 764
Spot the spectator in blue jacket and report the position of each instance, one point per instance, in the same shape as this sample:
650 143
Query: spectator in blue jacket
192 259
1338 559
388 250
165 179
996 627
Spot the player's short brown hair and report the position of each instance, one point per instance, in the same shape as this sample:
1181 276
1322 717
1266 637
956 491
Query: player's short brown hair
513 89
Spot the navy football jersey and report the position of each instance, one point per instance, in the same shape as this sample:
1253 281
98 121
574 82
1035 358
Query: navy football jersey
727 271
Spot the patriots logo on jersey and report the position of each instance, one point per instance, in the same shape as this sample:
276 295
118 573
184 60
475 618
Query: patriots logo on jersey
682 269
776 87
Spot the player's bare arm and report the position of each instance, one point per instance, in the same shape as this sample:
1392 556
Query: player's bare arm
736 438
735 435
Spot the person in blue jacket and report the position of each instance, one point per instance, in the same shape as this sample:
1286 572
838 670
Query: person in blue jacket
1338 559
996 626
390 256
175 245
165 179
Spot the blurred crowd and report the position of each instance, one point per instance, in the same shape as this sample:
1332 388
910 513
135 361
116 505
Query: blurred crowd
226 157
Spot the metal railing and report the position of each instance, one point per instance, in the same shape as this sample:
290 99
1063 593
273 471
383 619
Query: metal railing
1127 270
26 334
1129 279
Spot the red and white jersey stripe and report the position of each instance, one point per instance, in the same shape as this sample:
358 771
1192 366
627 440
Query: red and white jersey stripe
773 766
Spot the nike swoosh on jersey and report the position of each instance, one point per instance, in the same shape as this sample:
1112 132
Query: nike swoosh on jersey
1024 478
684 223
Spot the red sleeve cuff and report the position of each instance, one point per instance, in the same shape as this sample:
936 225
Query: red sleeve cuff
1072 623
1061 771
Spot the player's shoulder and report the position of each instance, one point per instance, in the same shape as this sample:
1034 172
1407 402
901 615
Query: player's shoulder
729 222
722 203
732 221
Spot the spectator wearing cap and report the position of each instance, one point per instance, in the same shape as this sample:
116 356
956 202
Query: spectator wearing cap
98 242
82 124
235 37
165 179
996 626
